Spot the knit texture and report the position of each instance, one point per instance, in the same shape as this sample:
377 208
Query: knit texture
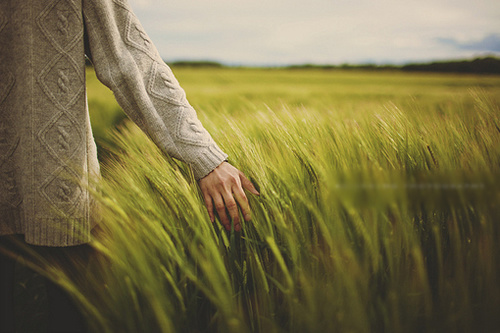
47 152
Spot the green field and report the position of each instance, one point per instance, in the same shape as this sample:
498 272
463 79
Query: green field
379 208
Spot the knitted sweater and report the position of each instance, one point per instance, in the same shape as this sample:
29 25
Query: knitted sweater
47 152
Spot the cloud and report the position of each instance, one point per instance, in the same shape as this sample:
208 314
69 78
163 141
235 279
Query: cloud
489 43
320 31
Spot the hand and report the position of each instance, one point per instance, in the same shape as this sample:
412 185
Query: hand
220 188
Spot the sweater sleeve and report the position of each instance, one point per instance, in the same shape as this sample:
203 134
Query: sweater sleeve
126 61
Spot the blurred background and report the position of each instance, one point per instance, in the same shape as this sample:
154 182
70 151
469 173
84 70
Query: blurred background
280 33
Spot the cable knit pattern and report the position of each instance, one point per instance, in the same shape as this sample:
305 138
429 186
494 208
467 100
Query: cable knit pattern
47 152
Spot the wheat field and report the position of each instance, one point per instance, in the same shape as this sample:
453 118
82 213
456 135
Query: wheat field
379 208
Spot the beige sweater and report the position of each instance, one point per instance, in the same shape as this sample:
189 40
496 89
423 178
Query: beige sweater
45 137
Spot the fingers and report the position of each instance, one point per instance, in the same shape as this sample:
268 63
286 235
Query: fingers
232 208
220 207
242 200
227 204
247 184
209 204
223 190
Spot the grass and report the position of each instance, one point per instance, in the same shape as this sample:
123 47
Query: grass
378 209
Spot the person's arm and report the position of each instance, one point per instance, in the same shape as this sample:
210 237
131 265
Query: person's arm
126 61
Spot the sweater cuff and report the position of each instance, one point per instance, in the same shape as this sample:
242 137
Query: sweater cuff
207 161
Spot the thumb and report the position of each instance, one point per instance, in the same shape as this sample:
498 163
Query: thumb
247 184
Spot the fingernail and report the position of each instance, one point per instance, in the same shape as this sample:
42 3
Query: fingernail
237 227
248 217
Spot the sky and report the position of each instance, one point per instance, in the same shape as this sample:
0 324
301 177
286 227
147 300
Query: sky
285 32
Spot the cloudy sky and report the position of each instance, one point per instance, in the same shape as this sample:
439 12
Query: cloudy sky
279 32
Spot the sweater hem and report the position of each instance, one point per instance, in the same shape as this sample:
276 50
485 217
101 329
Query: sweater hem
208 161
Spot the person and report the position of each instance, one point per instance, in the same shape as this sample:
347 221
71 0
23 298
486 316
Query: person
47 152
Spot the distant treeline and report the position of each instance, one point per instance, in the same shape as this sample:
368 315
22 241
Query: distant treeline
201 63
486 65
